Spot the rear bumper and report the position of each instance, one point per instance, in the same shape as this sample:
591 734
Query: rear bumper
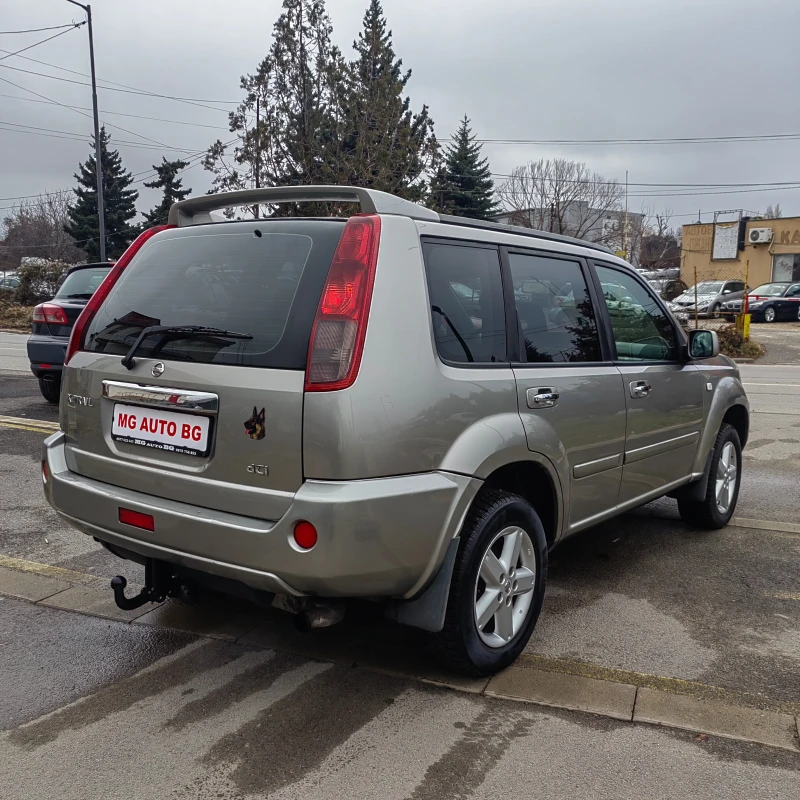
384 537
46 353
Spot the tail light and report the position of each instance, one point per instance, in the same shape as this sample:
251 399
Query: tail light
50 313
77 338
340 327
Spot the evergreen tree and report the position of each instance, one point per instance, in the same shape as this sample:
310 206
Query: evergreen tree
118 202
297 94
167 179
463 184
388 147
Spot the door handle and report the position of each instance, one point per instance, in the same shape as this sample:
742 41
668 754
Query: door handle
640 389
542 398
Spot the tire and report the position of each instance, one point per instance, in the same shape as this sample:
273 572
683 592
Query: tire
461 645
798 315
769 314
714 310
707 513
50 387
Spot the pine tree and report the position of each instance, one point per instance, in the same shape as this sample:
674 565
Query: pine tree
167 179
463 185
297 94
388 147
118 202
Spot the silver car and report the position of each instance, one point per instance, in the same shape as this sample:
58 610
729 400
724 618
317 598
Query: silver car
707 297
402 406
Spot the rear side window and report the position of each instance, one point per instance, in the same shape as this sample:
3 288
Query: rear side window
260 278
554 310
82 284
466 293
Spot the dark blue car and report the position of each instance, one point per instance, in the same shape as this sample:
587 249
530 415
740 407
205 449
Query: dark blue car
53 321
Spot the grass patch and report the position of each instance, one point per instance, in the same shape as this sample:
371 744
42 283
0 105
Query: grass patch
17 318
733 344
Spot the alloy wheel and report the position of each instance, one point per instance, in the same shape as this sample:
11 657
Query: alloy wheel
727 472
504 587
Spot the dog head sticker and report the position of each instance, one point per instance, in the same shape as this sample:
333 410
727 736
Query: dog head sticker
254 427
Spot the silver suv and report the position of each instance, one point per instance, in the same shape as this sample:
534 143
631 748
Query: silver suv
400 406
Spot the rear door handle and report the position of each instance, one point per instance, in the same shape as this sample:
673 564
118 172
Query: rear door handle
542 398
640 389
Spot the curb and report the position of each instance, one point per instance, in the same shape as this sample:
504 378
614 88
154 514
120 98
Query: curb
555 683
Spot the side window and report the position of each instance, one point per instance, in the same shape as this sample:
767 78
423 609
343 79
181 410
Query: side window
734 286
793 291
641 330
554 309
467 309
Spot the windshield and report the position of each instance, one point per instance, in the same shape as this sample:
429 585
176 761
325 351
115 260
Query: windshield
82 283
707 287
770 290
263 278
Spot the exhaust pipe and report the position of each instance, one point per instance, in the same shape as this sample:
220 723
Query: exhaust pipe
320 616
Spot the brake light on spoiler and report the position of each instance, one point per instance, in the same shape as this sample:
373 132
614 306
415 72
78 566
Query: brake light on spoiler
340 326
77 338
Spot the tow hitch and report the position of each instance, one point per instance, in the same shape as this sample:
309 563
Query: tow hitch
161 581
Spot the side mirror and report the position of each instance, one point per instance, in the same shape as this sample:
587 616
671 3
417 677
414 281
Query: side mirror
703 344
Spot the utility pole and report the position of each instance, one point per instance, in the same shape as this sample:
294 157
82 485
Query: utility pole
101 217
625 228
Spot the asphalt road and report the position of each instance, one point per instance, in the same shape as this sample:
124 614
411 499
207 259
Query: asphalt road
99 708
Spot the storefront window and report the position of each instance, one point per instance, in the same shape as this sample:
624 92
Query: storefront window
786 267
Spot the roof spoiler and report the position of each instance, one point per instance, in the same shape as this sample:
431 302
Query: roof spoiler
197 210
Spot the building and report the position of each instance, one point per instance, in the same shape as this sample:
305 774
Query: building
579 219
723 250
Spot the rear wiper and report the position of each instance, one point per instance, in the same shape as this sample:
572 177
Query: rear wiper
180 330
79 296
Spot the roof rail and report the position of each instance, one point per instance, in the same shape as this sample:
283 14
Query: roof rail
518 230
197 210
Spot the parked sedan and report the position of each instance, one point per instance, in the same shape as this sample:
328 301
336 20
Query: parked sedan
52 325
8 283
770 302
710 297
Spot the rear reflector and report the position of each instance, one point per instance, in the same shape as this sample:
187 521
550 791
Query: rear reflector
47 312
45 473
77 338
340 327
305 534
137 519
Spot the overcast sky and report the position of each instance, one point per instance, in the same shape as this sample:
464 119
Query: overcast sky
521 69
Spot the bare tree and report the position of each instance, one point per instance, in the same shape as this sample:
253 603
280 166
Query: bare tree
35 228
659 248
561 196
773 212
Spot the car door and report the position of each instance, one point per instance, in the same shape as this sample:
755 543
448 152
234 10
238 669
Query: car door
663 392
570 397
789 304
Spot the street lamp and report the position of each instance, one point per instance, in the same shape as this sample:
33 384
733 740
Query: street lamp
98 164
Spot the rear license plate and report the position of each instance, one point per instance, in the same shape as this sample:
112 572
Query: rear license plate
161 430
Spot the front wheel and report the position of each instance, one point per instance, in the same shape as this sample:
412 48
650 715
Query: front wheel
722 491
769 315
497 587
50 387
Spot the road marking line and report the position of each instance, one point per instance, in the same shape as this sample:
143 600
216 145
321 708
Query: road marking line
10 427
48 571
765 525
784 595
39 423
791 385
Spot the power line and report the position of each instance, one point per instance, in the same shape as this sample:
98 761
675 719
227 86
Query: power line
115 113
109 124
770 137
193 100
39 30
36 44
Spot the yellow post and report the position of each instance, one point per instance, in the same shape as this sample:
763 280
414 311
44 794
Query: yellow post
745 309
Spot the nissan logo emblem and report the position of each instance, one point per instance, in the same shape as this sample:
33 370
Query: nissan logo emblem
158 369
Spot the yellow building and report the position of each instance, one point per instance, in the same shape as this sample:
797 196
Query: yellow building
721 251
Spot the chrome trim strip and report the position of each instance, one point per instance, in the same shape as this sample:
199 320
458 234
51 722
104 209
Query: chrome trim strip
161 397
641 453
600 465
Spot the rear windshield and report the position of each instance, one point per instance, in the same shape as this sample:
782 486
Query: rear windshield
262 278
82 284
